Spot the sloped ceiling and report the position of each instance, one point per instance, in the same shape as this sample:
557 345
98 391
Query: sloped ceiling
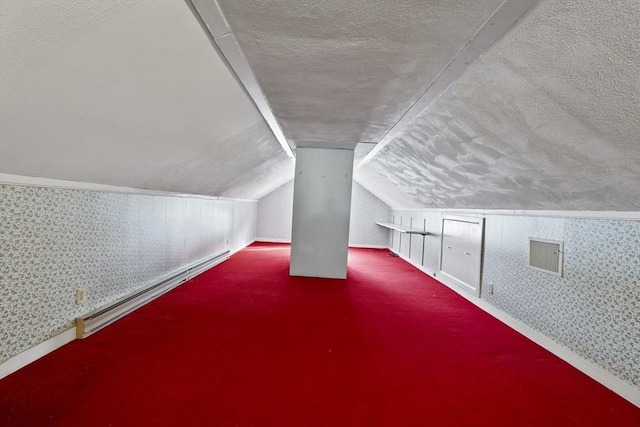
127 93
346 70
549 118
134 94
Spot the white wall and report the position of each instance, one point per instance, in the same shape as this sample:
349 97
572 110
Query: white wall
366 210
274 217
592 310
275 211
57 240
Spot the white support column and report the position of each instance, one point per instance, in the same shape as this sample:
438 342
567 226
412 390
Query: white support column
321 211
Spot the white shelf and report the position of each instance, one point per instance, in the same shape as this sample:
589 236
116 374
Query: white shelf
402 228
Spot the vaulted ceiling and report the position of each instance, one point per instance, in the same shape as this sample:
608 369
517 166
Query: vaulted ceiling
449 104
128 93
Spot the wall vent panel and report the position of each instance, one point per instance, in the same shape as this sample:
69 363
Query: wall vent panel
546 255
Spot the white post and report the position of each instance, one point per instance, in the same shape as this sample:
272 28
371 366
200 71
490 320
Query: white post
321 211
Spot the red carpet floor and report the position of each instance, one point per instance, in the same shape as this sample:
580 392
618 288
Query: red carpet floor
246 345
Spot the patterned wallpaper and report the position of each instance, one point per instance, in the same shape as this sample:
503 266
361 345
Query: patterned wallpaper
594 309
275 210
55 241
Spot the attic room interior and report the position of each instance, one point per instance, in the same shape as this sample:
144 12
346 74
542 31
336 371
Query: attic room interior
320 213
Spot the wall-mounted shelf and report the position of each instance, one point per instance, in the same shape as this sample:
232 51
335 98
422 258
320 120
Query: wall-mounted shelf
402 228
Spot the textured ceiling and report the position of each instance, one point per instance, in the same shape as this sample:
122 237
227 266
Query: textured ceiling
132 93
346 70
549 118
127 93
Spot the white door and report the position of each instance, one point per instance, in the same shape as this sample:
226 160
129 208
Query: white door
461 254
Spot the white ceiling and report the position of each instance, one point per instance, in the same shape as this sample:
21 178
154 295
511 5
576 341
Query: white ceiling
132 93
127 93
549 118
346 70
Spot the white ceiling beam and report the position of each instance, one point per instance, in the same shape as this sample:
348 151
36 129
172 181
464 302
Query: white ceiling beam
503 19
214 22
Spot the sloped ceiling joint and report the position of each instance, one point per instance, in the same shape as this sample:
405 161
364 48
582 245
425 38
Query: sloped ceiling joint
503 19
212 20
345 145
30 181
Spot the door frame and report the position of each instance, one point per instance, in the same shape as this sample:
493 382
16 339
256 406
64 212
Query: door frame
473 288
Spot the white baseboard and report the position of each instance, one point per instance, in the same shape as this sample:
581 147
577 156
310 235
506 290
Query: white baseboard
613 383
271 240
21 360
242 247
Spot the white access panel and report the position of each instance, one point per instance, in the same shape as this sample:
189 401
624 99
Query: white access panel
321 212
461 257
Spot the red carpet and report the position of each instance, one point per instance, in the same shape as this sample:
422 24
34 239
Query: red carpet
246 345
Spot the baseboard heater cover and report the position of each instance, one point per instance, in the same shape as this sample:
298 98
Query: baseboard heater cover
104 316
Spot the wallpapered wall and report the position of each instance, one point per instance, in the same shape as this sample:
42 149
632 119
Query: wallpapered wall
55 241
594 309
275 215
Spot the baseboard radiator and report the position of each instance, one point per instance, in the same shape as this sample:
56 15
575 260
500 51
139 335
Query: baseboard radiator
104 316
